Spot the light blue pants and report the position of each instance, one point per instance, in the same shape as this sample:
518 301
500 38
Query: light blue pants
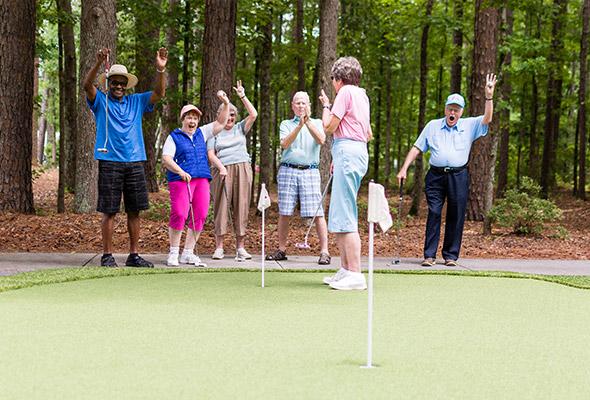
351 160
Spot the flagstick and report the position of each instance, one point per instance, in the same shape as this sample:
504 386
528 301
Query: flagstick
263 255
370 302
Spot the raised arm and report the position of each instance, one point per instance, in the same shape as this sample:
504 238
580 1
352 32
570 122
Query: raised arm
88 84
318 134
252 113
329 121
223 116
160 88
489 94
290 138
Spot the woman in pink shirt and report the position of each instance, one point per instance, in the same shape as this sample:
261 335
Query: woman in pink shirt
349 121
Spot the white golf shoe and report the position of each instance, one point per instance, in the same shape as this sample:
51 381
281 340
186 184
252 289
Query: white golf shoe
218 254
341 273
172 260
352 281
191 258
242 254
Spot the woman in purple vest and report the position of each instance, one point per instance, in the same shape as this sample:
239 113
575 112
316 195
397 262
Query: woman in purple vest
185 157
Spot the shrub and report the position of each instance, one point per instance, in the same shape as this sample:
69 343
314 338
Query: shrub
523 210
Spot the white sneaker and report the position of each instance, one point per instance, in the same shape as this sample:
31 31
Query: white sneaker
172 260
191 258
218 254
352 281
341 273
242 255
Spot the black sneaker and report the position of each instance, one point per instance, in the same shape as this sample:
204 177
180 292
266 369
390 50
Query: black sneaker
107 260
134 260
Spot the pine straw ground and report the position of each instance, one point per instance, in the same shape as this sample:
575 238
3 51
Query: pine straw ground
48 231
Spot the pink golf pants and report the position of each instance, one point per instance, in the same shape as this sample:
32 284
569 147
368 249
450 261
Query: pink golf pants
179 203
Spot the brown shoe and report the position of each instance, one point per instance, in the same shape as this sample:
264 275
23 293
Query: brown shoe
325 259
451 263
277 255
428 262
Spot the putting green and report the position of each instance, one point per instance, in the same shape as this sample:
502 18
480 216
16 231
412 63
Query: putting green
219 335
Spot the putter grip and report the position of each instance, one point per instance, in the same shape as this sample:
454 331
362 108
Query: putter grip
401 188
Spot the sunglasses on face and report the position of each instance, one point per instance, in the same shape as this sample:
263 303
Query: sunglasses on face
118 83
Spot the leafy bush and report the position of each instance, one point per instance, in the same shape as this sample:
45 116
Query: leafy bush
523 210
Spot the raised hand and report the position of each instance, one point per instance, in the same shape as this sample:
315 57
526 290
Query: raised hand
161 58
221 95
490 85
240 91
324 99
102 55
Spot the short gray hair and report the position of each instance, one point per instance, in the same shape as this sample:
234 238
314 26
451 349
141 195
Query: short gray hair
302 94
347 70
231 107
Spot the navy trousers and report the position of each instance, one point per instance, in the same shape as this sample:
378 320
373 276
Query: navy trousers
454 188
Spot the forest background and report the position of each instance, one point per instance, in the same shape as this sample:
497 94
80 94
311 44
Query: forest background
413 53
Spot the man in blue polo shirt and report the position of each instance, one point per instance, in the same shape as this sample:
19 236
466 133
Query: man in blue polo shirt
299 177
120 149
449 140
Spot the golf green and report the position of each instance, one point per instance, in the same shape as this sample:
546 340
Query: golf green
219 335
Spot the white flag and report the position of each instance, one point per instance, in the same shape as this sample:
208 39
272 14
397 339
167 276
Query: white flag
263 199
378 207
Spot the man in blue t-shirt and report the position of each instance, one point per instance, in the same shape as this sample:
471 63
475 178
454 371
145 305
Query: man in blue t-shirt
120 149
449 140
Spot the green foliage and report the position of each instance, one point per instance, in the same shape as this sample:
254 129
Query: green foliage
159 211
523 210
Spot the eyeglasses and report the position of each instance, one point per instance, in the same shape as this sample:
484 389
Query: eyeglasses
118 83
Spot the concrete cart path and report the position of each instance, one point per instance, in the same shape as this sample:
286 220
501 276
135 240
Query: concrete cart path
14 263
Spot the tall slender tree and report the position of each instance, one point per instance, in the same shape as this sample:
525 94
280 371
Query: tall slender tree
98 28
17 46
457 64
265 105
329 11
581 127
298 39
483 153
554 96
419 169
219 59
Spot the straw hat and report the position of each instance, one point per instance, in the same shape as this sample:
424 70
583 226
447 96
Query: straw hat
119 70
187 108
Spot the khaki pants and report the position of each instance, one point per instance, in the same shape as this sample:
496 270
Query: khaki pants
238 184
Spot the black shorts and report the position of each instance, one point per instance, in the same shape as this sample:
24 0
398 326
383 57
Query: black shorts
116 178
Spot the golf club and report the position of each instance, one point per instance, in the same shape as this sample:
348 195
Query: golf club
306 245
190 205
103 149
399 221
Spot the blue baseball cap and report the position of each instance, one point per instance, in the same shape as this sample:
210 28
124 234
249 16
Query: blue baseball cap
457 99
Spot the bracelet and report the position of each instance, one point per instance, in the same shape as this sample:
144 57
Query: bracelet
490 99
241 97
162 71
328 106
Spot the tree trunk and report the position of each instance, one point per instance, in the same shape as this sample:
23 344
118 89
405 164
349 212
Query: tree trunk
265 105
17 63
534 170
68 97
554 95
35 130
98 28
51 143
388 122
173 101
377 133
298 36
507 22
40 146
329 10
483 153
186 38
147 33
582 98
419 169
457 64
219 55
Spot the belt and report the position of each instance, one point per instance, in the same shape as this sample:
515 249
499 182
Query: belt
296 166
447 170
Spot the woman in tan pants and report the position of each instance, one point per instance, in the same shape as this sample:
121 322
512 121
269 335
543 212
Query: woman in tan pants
232 177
